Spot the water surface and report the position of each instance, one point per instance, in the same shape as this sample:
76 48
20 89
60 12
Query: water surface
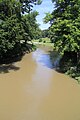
32 90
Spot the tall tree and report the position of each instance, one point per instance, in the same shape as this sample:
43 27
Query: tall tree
30 24
18 7
65 25
65 33
16 27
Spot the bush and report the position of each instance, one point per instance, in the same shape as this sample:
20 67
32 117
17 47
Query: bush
40 40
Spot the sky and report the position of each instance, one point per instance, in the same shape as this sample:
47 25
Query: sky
46 6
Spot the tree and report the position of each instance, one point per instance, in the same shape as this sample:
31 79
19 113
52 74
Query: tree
45 33
65 33
27 5
15 28
11 34
65 25
18 7
30 25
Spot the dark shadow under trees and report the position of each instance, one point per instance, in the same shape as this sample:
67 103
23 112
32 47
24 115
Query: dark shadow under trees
69 63
8 59
5 68
15 54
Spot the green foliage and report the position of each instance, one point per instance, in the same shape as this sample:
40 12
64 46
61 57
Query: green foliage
45 33
38 33
15 28
66 35
11 32
8 8
30 25
39 2
48 17
64 32
40 40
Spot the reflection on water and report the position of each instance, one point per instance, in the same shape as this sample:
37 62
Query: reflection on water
44 58
36 92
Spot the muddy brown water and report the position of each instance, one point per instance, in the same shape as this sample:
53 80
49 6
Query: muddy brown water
31 90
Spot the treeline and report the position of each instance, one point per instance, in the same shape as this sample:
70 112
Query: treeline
41 34
17 27
64 32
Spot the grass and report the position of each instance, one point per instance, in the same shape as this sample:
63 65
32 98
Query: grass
43 41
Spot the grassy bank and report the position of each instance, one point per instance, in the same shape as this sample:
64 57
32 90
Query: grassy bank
43 41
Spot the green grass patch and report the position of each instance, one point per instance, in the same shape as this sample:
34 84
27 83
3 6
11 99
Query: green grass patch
43 41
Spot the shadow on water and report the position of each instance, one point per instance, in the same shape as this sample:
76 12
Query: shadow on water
49 59
55 59
5 68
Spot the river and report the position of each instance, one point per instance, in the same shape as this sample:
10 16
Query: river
31 90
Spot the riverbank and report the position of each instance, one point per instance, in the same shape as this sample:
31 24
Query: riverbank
62 64
43 41
17 54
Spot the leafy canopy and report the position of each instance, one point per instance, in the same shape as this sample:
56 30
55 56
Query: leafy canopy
15 28
65 25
